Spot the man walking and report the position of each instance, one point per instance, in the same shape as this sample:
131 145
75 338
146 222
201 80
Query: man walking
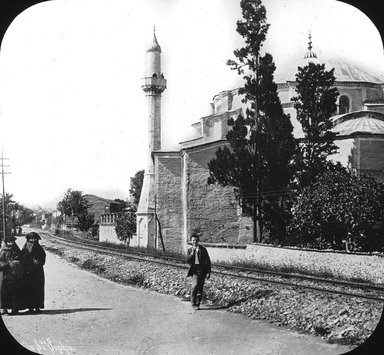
199 269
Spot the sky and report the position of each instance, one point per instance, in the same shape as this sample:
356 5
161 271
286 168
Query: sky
72 111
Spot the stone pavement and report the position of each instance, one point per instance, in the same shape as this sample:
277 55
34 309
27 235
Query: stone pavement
86 314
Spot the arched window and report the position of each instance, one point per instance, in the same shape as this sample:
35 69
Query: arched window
343 104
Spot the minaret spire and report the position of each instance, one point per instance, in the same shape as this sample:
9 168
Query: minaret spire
310 42
309 53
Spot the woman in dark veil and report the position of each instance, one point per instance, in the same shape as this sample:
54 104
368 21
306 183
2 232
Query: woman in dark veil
10 276
33 259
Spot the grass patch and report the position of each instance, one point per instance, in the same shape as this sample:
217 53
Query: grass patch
73 259
91 265
136 279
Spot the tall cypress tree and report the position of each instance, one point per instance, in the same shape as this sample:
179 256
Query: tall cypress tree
315 103
261 144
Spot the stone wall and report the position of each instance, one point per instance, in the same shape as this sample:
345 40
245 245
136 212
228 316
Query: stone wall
364 154
361 267
212 209
168 172
372 149
107 233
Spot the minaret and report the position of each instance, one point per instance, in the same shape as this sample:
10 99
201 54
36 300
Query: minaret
154 84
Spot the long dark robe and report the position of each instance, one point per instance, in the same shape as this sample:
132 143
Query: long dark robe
11 277
34 282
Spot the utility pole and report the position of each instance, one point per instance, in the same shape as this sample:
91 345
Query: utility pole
3 199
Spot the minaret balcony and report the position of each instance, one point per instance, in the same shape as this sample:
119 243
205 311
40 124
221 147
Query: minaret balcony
154 84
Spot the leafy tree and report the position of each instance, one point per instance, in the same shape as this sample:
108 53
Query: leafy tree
136 186
339 211
9 205
75 205
122 205
24 215
261 144
16 214
126 223
315 103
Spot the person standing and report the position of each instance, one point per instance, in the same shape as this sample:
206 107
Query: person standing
199 269
33 256
10 276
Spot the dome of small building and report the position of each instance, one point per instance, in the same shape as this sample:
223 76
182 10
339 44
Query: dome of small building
366 122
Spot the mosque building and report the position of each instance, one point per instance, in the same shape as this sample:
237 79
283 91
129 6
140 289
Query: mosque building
176 198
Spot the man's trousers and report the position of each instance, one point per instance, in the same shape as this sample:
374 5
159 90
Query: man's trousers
198 279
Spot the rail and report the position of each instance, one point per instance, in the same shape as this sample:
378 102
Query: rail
310 282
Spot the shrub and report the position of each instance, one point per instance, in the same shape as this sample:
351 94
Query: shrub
339 210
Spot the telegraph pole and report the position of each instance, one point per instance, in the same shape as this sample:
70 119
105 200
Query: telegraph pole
3 199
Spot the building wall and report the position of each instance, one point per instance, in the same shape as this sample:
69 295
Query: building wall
107 233
346 154
356 97
372 149
212 210
168 172
363 154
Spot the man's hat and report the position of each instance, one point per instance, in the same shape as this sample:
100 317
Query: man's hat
32 235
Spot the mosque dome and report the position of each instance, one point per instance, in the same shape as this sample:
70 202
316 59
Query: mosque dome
343 72
365 122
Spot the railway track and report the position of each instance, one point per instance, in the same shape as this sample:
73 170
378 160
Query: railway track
340 287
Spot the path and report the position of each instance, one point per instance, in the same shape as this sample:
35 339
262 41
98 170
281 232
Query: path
90 315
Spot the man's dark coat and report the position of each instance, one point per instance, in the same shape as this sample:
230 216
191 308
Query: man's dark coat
204 260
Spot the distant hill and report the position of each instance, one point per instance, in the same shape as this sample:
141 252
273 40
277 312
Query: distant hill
51 205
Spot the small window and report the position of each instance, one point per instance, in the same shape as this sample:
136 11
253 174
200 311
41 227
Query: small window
343 104
154 75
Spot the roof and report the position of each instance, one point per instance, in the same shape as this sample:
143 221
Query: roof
348 72
367 122
154 46
344 72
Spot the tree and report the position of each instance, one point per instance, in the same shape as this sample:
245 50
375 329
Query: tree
75 205
136 186
9 205
24 215
122 205
315 103
340 211
261 144
126 221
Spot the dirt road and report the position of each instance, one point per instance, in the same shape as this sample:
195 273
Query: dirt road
85 314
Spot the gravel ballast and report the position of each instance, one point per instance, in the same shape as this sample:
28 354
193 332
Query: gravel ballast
339 319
